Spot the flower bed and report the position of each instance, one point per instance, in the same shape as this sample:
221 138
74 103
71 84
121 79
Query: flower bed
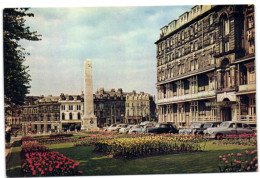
144 146
49 163
32 146
239 163
39 161
243 139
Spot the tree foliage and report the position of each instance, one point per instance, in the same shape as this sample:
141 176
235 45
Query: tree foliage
16 76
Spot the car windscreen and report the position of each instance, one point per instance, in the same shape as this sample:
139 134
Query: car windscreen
224 124
195 125
207 125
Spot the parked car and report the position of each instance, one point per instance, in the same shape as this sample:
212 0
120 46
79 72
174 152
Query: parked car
228 128
125 129
206 126
138 129
192 129
112 127
163 128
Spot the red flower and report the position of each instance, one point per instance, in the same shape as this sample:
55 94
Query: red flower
226 162
239 155
248 169
220 157
246 162
80 172
247 152
224 159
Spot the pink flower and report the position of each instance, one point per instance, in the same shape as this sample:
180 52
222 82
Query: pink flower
247 152
224 159
80 172
256 165
220 157
248 169
251 163
232 154
226 162
238 162
239 155
229 155
246 162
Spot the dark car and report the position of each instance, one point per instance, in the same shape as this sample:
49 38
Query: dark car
192 129
163 128
200 131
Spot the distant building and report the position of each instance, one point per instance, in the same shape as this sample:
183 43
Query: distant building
71 110
109 106
206 66
139 107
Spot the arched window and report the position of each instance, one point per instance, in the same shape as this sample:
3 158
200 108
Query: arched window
63 116
70 116
224 25
225 74
79 116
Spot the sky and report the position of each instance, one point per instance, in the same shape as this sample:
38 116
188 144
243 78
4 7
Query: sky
118 40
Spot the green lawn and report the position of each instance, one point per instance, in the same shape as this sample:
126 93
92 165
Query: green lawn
93 164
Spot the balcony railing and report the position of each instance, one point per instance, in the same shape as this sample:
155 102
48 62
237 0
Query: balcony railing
203 94
246 118
248 87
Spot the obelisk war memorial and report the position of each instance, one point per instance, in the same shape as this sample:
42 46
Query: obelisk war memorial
89 121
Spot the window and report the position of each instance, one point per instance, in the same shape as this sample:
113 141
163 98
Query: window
70 116
210 19
226 27
191 30
196 45
63 116
70 107
63 107
192 65
79 116
78 107
191 47
251 78
250 22
196 64
226 47
196 28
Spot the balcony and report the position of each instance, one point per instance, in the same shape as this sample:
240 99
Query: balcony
188 97
248 87
247 118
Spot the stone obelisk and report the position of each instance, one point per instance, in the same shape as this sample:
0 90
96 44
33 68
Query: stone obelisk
89 121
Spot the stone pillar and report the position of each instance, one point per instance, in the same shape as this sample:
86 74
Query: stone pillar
89 121
233 75
38 128
45 128
219 79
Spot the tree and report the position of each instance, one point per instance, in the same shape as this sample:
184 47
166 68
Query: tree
16 76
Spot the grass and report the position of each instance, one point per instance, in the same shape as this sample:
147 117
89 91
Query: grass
200 162
93 164
14 164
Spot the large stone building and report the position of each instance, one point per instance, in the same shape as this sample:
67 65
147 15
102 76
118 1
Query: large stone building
109 106
139 107
206 66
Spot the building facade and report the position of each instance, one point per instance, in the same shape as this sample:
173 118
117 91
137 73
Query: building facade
71 110
206 66
109 106
139 107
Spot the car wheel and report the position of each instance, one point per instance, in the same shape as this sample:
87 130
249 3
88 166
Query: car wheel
219 136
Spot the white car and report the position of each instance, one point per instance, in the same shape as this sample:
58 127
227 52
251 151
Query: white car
125 129
112 127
